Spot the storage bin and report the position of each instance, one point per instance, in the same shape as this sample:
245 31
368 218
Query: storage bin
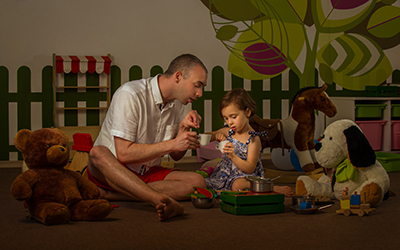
381 91
369 110
373 130
395 110
389 161
395 135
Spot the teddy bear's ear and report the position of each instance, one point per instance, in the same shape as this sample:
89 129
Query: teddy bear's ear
66 137
360 152
21 138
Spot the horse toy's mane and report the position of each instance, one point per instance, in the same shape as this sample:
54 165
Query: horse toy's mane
300 91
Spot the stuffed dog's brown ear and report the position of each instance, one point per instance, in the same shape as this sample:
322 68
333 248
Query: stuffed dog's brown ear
360 152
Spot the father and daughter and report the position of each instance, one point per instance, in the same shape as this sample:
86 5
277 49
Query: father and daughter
146 121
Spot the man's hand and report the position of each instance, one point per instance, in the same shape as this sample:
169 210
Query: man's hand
185 141
191 120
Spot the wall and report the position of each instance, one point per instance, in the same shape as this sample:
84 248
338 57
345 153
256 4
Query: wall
144 33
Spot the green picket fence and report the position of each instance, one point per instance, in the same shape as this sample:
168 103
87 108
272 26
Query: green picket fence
24 97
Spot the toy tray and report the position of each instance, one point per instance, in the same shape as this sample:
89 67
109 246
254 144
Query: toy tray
252 209
236 198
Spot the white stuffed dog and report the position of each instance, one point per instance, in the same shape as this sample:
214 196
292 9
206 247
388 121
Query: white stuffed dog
349 162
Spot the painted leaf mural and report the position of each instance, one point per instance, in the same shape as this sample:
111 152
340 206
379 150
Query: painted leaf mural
385 22
344 39
257 58
353 59
331 16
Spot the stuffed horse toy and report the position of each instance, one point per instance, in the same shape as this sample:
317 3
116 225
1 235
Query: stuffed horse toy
297 130
349 164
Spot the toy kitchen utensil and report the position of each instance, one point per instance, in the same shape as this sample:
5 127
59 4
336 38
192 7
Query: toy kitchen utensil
261 185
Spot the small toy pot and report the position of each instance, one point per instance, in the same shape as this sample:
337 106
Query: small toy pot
261 185
297 199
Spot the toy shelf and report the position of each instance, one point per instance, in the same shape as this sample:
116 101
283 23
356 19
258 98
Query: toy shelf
346 109
80 64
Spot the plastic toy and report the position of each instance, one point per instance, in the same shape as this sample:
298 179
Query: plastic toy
200 192
241 203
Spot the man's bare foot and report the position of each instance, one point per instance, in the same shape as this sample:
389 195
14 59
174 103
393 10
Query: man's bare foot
286 190
168 208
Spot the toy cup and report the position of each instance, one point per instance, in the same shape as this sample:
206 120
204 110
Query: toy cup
204 139
220 146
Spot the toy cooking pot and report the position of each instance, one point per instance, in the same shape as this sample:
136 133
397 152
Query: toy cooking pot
261 185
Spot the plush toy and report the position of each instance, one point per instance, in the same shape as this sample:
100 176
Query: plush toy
297 130
53 194
349 163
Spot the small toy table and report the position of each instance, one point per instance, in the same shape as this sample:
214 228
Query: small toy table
239 203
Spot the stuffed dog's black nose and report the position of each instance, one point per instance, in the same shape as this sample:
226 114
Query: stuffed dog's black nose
318 146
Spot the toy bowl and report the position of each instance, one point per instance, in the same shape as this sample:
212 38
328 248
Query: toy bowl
203 202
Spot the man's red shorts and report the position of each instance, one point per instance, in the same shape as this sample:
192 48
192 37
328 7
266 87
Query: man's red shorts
156 173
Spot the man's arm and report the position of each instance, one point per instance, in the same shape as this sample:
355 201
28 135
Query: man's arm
130 152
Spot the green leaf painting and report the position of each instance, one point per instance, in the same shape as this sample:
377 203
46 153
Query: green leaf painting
345 40
385 22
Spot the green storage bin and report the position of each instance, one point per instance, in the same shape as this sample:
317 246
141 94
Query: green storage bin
369 110
381 91
395 110
389 161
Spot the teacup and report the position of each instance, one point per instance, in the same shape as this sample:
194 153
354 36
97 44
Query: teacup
220 146
204 139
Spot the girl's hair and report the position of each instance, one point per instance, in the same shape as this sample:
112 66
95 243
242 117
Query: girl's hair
183 63
240 98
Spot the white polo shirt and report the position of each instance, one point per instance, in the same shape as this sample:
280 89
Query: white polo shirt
136 114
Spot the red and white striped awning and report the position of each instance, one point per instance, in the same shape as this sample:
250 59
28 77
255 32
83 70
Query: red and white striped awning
83 64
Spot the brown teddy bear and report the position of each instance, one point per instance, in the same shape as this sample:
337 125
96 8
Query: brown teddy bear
53 194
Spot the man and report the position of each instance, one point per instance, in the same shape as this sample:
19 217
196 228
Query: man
143 123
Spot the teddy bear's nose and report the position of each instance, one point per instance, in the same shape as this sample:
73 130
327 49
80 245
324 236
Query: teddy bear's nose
62 149
318 146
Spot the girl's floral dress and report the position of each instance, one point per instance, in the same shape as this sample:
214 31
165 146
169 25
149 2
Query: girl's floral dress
227 172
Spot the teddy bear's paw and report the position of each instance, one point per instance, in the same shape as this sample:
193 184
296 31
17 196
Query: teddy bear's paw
100 211
373 194
91 210
300 188
56 215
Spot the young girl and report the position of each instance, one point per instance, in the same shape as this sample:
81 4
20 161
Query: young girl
242 153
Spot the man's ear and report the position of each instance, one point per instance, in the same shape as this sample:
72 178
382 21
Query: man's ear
178 76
